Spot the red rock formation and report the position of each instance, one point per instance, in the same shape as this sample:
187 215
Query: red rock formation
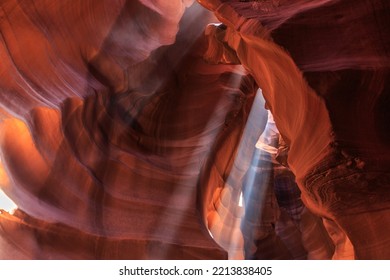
129 133
323 68
105 142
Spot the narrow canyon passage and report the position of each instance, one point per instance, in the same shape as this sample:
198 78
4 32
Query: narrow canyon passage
223 129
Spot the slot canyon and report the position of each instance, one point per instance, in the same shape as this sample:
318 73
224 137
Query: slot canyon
183 129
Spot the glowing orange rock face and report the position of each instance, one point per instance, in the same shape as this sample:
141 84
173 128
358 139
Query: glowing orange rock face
106 137
118 137
327 87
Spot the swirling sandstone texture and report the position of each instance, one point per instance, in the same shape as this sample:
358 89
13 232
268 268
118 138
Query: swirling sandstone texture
105 131
323 67
128 129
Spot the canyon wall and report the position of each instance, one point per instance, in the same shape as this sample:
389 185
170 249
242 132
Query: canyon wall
128 129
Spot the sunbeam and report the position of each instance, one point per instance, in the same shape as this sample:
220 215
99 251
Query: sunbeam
186 175
230 208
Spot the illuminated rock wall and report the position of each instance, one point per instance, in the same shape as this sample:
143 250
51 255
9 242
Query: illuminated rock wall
128 128
104 138
323 67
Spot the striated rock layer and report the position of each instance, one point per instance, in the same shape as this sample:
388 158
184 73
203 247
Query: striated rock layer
104 138
323 67
128 129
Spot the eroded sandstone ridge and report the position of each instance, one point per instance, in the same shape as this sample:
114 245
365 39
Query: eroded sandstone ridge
128 129
323 67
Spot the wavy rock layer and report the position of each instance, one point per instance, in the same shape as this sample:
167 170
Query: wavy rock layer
105 160
323 67
130 133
